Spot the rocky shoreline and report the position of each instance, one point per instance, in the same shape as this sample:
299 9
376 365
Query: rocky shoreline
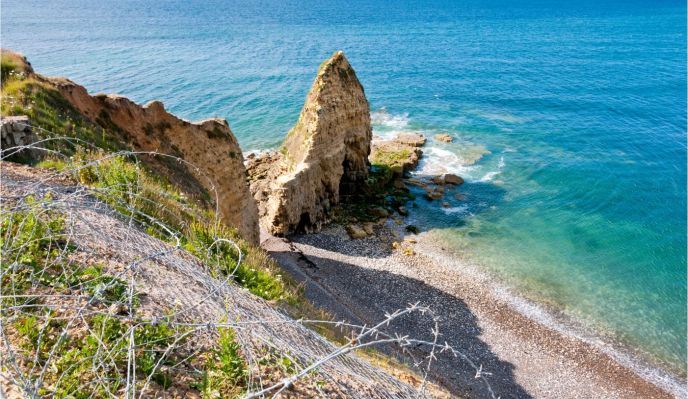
331 176
361 279
358 270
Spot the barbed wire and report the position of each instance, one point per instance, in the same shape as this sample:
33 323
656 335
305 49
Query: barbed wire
103 298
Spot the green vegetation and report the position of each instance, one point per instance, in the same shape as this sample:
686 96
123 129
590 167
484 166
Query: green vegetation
132 189
32 242
88 356
7 68
378 192
389 159
88 359
225 368
258 273
158 128
169 215
216 133
52 114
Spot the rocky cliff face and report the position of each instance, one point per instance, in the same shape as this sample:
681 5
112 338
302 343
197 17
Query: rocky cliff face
324 155
218 173
209 145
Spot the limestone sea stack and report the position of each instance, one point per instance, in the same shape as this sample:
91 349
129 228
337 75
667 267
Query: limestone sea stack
324 155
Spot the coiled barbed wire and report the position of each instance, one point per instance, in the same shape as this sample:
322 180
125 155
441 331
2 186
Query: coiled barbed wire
162 285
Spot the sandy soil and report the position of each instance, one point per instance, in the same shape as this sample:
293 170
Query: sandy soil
360 280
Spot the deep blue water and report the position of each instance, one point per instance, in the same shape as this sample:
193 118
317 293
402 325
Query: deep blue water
569 120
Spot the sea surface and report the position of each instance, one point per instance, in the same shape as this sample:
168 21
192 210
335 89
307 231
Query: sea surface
569 120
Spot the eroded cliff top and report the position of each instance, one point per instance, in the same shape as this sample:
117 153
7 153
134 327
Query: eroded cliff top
203 158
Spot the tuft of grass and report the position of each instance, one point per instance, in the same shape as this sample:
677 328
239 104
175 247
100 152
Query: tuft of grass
35 262
225 369
128 188
89 359
53 163
256 272
31 244
7 68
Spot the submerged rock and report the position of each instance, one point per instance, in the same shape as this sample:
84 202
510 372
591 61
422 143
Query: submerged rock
417 182
434 194
324 154
412 229
399 184
379 212
411 139
437 179
453 179
444 137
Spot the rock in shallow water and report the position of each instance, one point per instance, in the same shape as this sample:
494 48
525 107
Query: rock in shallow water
379 212
453 179
444 137
410 139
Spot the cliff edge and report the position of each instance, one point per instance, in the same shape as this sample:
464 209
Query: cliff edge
218 174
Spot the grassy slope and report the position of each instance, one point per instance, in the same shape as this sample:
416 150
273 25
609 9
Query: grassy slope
128 183
136 191
45 264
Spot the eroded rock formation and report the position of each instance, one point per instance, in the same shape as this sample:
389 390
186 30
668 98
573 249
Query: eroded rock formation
324 155
16 132
218 172
401 154
209 145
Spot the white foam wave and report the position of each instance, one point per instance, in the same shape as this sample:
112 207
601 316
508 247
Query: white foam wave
489 176
438 161
383 118
456 209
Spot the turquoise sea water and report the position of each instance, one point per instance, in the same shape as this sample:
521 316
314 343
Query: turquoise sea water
569 120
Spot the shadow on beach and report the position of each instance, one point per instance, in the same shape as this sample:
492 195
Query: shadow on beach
367 294
362 295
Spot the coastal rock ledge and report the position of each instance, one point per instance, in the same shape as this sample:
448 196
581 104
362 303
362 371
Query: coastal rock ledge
324 155
215 172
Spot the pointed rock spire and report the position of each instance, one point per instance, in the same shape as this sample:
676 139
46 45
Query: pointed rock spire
324 154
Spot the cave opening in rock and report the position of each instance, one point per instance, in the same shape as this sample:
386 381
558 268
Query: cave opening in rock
304 223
